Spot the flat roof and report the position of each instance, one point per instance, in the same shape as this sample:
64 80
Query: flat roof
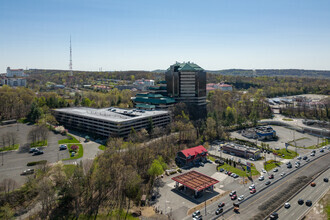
241 147
195 180
111 114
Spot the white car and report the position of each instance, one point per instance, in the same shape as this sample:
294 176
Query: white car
275 170
264 171
261 178
252 186
282 174
241 198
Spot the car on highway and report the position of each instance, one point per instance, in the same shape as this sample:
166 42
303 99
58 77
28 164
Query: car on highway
221 204
305 158
271 176
32 150
313 184
252 187
300 201
37 153
218 211
267 183
27 172
275 170
261 178
233 197
312 154
321 151
274 215
253 191
326 180
289 166
232 193
287 205
309 203
241 198
63 147
299 158
297 165
283 174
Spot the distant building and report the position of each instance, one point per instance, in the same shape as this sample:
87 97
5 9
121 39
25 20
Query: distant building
221 86
186 82
265 133
15 72
113 122
157 100
14 78
191 156
241 150
144 84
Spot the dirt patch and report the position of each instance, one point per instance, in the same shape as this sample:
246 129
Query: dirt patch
319 211
200 206
149 213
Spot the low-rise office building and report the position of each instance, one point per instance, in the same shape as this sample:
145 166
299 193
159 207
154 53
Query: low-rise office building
241 150
112 122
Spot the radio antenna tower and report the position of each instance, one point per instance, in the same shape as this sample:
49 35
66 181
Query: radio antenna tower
70 65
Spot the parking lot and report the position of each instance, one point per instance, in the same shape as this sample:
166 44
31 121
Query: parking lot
13 163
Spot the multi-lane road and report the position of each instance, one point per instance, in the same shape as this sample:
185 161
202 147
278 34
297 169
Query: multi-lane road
314 194
249 206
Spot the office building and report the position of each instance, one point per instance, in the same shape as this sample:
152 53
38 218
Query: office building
241 150
186 82
113 122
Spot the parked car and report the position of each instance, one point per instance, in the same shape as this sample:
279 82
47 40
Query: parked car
32 150
235 204
252 187
229 173
267 183
309 203
221 204
63 147
218 211
300 201
232 193
37 153
195 214
241 198
321 151
305 158
263 170
271 176
275 170
261 178
289 166
282 174
299 158
233 197
287 205
73 153
221 170
27 172
312 154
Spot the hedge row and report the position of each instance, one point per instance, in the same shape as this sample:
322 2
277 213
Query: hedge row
36 162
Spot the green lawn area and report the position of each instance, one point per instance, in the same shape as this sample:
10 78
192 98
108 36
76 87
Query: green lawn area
211 158
239 171
79 154
288 154
13 147
287 119
69 169
39 144
70 139
270 164
102 147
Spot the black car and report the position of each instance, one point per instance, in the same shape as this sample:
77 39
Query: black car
267 183
305 158
300 201
38 153
221 170
218 211
32 150
326 180
289 166
309 203
221 204
274 216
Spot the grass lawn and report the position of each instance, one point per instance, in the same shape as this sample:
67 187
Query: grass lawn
288 154
70 139
13 147
69 169
270 164
211 158
287 119
79 154
239 171
102 147
39 144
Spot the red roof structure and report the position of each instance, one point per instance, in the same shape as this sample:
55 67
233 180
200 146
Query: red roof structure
195 180
194 151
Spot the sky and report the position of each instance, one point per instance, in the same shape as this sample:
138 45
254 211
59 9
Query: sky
153 34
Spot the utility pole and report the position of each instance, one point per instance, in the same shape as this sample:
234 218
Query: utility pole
205 197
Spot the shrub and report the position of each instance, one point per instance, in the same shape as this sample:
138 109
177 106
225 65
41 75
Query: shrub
36 163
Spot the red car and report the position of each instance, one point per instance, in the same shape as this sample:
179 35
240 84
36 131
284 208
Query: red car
271 176
229 173
253 191
221 204
234 197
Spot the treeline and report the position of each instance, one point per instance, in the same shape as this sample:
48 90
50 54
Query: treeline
22 102
274 72
275 86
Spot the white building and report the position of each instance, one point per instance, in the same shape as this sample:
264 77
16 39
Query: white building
13 82
15 72
143 84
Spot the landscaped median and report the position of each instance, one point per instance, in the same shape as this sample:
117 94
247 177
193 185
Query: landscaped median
288 154
69 139
13 147
271 164
78 149
43 143
239 171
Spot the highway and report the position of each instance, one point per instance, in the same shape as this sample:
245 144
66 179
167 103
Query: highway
249 206
314 194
